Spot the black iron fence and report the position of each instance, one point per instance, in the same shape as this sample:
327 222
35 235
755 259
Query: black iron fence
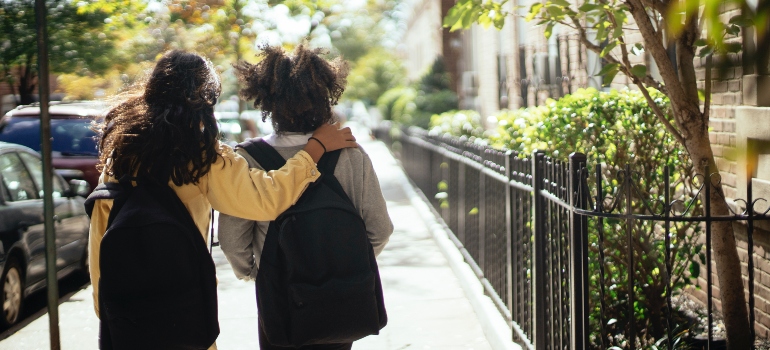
524 223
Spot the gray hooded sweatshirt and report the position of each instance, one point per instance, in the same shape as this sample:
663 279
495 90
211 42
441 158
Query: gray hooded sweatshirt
242 240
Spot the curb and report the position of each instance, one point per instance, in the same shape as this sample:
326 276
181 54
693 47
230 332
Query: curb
495 327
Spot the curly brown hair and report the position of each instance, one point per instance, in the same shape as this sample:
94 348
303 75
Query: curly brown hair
296 92
164 127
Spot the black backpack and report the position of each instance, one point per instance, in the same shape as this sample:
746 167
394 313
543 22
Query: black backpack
157 288
318 281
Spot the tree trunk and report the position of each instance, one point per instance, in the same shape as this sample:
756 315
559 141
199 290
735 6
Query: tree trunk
26 83
725 253
693 126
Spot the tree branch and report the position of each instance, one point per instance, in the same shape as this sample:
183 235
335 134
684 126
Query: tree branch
676 92
685 55
658 112
626 67
707 88
659 5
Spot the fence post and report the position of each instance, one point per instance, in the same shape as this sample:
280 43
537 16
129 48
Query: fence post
538 256
509 237
578 249
482 214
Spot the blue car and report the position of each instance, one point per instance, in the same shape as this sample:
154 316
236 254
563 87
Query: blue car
22 231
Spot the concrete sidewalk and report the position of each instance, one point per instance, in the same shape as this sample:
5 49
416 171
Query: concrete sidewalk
429 307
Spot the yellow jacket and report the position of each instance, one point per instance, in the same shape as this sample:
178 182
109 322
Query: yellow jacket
229 187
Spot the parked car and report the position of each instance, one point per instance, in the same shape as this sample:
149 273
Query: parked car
73 142
22 229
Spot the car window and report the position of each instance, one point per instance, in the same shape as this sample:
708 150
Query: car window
17 181
68 136
35 167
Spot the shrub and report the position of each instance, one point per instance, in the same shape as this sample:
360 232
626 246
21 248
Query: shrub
404 108
428 104
457 123
434 94
375 73
386 101
415 105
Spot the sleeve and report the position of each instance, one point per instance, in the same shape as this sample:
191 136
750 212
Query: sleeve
374 210
99 218
234 189
236 237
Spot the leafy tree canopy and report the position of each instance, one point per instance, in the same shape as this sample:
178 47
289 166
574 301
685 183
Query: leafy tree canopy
81 37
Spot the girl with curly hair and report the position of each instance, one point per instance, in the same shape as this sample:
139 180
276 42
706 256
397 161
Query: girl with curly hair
297 92
166 130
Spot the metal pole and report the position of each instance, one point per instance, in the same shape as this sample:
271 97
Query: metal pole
579 255
631 264
45 140
750 173
509 239
709 292
669 266
538 263
482 215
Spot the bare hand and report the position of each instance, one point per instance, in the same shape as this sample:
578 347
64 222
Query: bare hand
334 138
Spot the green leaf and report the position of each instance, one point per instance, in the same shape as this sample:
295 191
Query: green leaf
639 70
467 19
484 21
694 270
607 49
620 16
608 72
549 29
741 20
499 20
555 11
637 49
589 7
700 42
733 29
534 11
705 51
562 3
609 77
618 32
601 33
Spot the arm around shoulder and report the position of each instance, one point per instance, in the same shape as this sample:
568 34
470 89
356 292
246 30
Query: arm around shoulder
234 189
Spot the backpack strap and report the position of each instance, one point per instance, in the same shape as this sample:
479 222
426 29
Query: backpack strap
326 165
108 190
267 157
328 162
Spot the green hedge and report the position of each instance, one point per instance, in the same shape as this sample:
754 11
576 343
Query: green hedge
458 123
416 104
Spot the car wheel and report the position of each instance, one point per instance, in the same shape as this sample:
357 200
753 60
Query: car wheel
11 296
